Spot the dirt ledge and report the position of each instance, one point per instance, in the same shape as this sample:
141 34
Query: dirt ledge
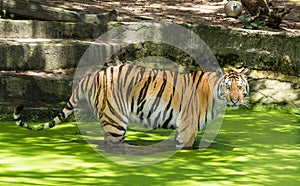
209 12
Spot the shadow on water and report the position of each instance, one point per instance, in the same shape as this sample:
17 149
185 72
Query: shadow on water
252 148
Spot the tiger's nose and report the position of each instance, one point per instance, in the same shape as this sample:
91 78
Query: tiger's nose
234 101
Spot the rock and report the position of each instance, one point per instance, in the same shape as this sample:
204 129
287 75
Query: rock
233 8
274 91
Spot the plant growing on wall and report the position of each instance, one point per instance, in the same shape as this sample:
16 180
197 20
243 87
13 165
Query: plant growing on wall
4 14
263 12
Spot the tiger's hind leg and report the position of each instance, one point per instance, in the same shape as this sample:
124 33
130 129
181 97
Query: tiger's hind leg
114 136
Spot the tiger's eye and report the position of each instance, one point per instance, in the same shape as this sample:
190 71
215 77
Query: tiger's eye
227 85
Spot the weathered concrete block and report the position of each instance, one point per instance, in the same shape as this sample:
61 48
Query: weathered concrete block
40 54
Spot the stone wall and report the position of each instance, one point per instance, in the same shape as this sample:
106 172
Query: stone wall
37 65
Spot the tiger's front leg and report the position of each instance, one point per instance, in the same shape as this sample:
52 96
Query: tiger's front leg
187 123
187 129
185 136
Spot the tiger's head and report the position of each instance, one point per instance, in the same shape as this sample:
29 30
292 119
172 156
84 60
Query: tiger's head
234 87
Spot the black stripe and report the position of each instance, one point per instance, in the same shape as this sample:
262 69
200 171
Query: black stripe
61 115
132 104
104 80
109 123
142 116
116 97
69 106
154 106
129 88
206 114
137 78
120 103
90 87
158 96
112 76
194 75
163 86
120 72
144 91
175 82
150 112
21 124
97 84
155 122
199 79
18 119
140 108
155 72
113 111
167 107
179 108
97 91
84 86
142 71
166 123
51 124
129 69
121 100
112 134
19 109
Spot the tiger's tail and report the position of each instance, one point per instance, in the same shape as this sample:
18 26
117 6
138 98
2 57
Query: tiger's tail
79 93
68 109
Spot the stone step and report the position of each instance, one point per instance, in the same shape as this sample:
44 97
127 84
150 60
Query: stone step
45 54
40 54
34 89
41 93
52 29
258 49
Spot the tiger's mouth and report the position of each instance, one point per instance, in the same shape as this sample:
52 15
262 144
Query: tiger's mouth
236 105
233 105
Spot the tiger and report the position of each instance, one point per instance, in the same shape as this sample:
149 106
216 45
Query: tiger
153 97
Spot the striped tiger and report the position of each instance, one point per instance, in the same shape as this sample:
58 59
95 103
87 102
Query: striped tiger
156 98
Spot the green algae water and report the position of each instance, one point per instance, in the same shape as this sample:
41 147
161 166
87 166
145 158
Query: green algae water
252 148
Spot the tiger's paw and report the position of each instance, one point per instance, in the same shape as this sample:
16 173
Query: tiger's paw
114 148
182 146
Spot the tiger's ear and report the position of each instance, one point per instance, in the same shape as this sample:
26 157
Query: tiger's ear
245 72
